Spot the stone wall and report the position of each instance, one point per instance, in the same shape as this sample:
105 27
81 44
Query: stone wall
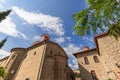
48 69
109 49
31 64
57 64
85 69
42 61
14 62
3 61
110 46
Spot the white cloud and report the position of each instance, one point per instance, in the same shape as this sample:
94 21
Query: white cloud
71 48
36 37
8 27
1 6
118 1
75 64
90 39
60 40
69 38
2 1
3 53
75 67
75 61
73 33
48 23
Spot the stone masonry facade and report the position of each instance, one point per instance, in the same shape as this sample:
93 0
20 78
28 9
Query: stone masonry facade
102 62
44 60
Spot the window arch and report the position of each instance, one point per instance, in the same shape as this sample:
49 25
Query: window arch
86 60
14 55
93 74
35 53
59 52
51 53
27 79
96 59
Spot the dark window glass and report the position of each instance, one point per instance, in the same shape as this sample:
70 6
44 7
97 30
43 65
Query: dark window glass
59 52
86 60
51 53
35 53
96 59
94 75
27 79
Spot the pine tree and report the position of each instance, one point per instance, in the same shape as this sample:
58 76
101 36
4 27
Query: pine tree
3 42
100 14
3 16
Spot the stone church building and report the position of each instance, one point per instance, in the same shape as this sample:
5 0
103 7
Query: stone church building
102 62
44 60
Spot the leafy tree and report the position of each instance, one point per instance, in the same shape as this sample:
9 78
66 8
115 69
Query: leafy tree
2 72
3 15
77 75
100 14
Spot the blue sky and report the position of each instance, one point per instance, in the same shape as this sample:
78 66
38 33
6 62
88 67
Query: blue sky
31 18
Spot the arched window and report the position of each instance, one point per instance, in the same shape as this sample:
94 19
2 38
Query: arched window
13 56
51 53
96 59
93 74
86 60
27 79
59 52
35 53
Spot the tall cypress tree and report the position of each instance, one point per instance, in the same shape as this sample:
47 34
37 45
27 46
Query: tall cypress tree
3 16
3 42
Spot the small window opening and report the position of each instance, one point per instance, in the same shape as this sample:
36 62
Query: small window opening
86 60
93 74
35 53
27 79
59 52
96 59
13 56
51 53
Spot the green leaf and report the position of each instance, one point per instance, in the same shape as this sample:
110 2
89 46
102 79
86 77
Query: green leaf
99 13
